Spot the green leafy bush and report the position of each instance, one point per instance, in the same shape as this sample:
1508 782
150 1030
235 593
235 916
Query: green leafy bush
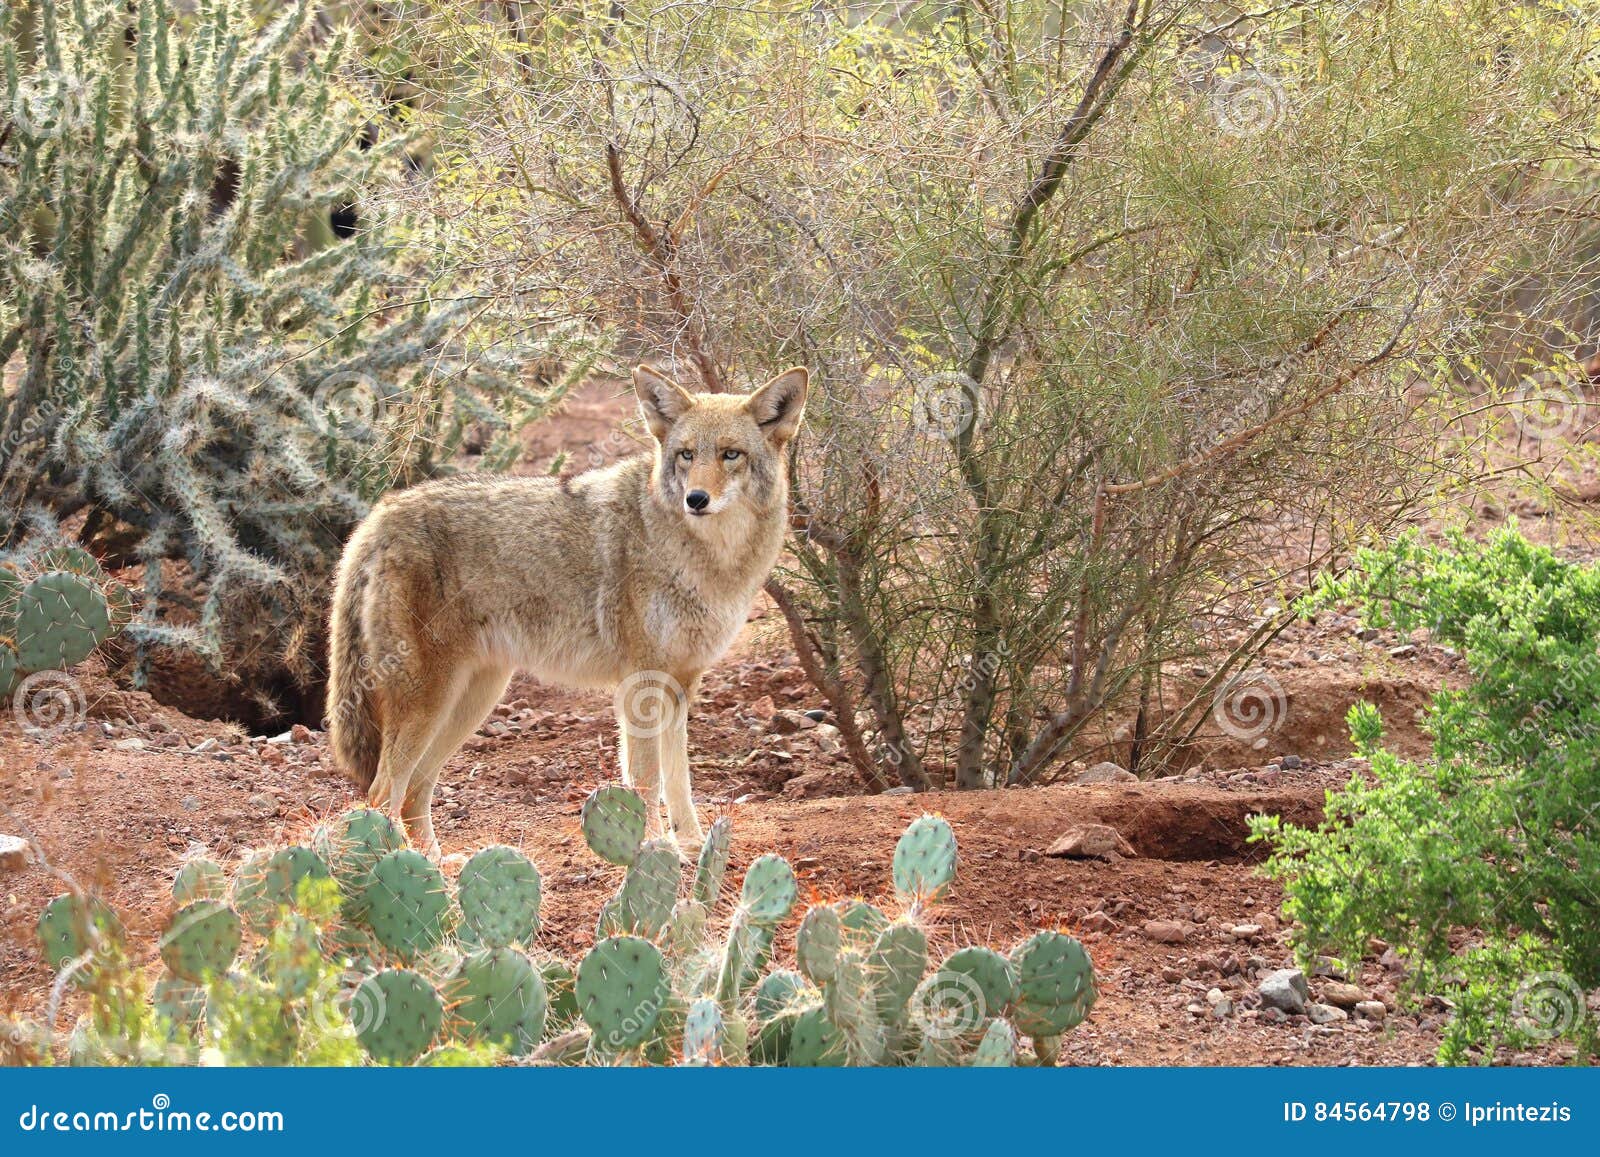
1481 865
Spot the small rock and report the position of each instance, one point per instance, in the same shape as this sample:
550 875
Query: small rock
132 743
1099 922
1166 931
285 737
15 854
1285 990
272 756
816 715
1107 772
1245 931
190 803
300 733
1326 1014
263 804
899 789
788 722
1091 842
1025 855
1372 1009
209 745
1342 995
764 708
1291 763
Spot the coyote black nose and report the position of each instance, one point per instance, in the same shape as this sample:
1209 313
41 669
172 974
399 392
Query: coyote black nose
697 500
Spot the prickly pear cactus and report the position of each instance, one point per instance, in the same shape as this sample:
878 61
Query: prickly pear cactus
201 940
818 942
713 863
405 1014
199 879
499 893
613 822
622 990
351 846
644 904
407 903
268 883
977 983
1055 984
60 619
769 890
998 1048
703 1033
497 995
70 926
924 861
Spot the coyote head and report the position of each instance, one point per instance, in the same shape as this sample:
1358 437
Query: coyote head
716 452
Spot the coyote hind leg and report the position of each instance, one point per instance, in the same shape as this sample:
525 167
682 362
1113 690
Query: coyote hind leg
477 695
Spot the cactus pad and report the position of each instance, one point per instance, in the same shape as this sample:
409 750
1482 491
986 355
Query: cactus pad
560 986
713 863
924 860
199 880
1055 984
703 1033
818 942
201 940
998 1048
68 927
613 821
60 618
499 892
407 903
401 1018
814 1042
267 884
985 972
769 891
645 901
895 967
622 989
862 924
499 997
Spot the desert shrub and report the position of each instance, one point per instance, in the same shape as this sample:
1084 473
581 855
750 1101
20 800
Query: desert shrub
198 368
1481 865
1113 307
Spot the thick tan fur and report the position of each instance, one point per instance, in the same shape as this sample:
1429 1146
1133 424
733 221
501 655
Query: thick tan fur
609 579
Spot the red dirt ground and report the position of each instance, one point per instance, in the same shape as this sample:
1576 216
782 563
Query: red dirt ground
118 802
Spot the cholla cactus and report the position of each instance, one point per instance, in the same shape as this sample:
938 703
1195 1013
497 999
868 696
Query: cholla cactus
192 355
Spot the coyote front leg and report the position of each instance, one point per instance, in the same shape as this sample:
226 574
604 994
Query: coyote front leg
652 721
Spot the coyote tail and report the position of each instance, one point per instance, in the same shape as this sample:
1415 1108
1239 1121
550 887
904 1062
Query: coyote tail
353 731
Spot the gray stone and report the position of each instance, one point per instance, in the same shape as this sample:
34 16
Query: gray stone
15 854
1326 1014
1091 842
1107 772
1285 990
1291 763
1372 1009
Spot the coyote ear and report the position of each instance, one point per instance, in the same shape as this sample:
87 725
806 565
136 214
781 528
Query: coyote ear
779 405
661 400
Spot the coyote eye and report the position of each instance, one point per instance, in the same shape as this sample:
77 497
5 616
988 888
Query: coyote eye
731 455
686 455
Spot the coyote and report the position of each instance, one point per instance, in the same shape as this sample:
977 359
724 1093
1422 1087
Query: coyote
636 576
